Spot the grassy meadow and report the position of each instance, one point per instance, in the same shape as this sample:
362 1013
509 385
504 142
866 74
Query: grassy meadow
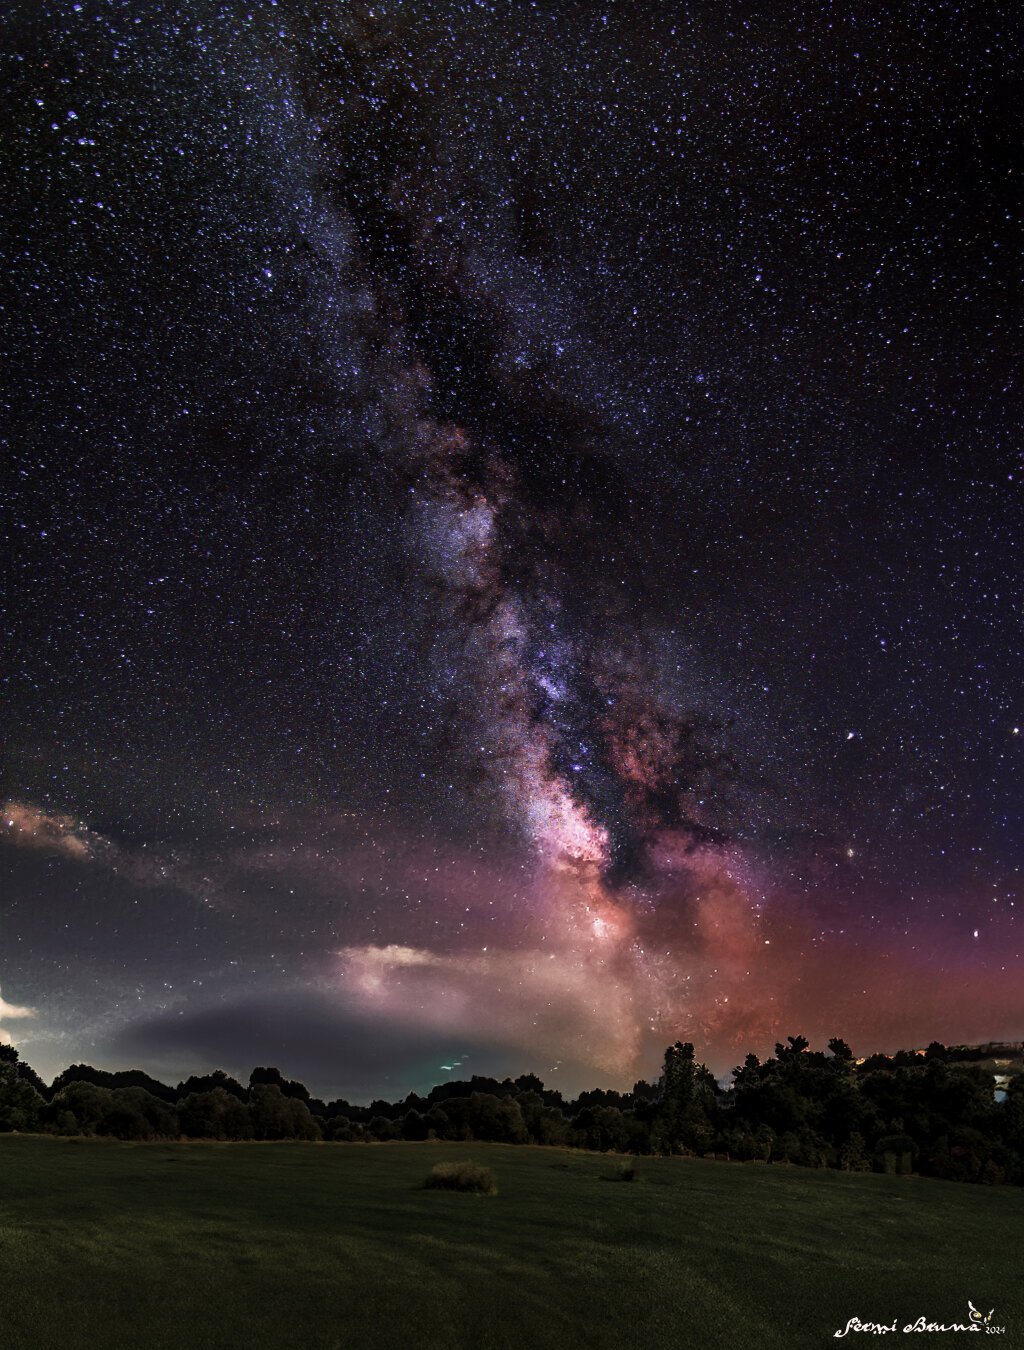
338 1247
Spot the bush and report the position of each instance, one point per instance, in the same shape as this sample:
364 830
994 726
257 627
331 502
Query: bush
462 1176
626 1171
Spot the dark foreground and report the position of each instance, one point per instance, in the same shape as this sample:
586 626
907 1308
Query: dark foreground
334 1246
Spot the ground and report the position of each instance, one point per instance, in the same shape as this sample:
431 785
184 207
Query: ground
105 1246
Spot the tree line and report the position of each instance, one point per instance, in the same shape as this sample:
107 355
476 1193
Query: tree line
934 1113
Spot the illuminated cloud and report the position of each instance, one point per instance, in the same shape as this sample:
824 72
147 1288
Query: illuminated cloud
11 1012
29 826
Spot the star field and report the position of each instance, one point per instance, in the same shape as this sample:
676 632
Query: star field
516 534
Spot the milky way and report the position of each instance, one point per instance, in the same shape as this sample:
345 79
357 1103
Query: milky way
517 536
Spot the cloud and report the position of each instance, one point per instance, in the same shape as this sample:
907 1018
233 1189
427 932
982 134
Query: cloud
11 1011
30 826
548 1004
333 1046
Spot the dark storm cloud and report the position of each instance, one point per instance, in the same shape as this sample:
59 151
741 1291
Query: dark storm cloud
337 1050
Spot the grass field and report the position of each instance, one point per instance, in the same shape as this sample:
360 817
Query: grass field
336 1246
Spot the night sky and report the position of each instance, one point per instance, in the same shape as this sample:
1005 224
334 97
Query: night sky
517 534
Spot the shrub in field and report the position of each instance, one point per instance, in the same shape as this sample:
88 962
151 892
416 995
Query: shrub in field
626 1171
462 1176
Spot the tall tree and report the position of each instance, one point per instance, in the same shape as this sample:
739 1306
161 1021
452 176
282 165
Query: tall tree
687 1104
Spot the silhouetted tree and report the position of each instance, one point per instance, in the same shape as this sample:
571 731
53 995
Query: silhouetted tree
687 1099
496 1119
217 1114
85 1103
290 1087
85 1073
936 1112
211 1082
134 1113
25 1072
603 1128
414 1125
853 1155
529 1082
276 1116
342 1130
20 1104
